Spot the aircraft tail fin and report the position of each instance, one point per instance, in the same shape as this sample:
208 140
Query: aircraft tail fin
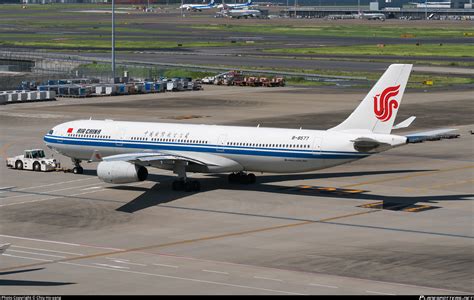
377 112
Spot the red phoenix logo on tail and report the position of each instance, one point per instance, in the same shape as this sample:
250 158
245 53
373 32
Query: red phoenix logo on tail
384 104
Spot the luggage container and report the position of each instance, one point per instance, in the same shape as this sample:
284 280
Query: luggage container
51 95
3 99
110 90
122 89
32 96
12 97
63 90
41 95
99 90
140 87
22 96
148 87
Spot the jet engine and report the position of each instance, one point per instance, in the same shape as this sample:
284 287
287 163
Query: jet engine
121 172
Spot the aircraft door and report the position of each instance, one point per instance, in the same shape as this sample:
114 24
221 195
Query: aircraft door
317 144
221 143
120 139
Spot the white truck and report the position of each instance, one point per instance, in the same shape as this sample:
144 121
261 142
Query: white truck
33 160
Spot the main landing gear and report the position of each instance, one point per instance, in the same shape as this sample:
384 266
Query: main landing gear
242 177
77 167
183 183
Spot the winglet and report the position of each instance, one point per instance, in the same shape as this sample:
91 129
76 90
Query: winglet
405 123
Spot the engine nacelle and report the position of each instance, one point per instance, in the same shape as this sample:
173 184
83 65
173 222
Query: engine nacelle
121 172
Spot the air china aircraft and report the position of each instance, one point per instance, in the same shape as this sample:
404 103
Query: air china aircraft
198 7
126 149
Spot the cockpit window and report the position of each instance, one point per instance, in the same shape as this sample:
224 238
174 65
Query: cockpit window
51 131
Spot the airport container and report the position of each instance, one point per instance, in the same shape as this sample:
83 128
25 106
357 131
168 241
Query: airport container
51 95
99 89
122 89
158 87
32 96
42 95
12 97
63 90
148 87
3 99
140 87
42 87
22 96
110 90
62 81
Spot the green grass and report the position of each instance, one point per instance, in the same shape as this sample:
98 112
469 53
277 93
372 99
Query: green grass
446 50
97 42
342 30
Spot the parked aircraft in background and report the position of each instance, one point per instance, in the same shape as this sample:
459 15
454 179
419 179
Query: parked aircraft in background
236 5
372 16
198 7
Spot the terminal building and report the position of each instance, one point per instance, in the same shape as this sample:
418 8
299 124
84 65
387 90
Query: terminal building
391 9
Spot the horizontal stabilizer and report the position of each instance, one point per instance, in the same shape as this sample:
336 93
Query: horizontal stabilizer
437 134
405 123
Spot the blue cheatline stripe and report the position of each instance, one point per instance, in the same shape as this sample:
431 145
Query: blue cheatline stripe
202 148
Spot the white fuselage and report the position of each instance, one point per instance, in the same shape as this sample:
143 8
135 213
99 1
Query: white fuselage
253 148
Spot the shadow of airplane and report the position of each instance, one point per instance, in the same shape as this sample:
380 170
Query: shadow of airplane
152 197
14 282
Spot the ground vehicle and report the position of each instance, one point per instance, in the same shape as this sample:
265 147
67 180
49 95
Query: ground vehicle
33 160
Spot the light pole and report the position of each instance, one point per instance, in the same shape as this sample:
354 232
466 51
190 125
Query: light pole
113 41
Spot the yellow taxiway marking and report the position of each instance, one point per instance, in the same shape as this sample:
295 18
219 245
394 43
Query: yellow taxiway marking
407 176
206 238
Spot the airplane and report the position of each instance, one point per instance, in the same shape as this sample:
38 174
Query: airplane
198 7
236 5
241 13
124 150
372 16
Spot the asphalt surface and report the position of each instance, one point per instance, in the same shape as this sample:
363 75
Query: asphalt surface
395 223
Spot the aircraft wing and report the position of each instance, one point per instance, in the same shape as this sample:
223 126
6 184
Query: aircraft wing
437 134
211 161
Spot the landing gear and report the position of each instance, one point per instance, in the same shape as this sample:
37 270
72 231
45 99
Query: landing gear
242 177
182 183
77 167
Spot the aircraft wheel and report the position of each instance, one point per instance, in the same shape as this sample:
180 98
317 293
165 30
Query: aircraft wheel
233 178
251 178
78 170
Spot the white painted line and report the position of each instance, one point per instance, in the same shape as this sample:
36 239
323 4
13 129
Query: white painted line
92 188
186 279
112 266
57 242
47 192
56 183
380 293
51 198
37 240
24 257
266 278
47 250
167 266
128 263
324 285
34 253
218 272
113 258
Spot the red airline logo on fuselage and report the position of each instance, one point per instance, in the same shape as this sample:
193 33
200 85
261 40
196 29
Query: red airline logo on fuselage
384 104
